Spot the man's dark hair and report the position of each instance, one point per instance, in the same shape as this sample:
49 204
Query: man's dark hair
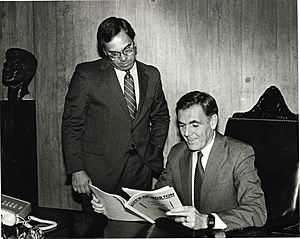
109 28
205 100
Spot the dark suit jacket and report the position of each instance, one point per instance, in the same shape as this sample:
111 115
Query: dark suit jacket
231 187
97 130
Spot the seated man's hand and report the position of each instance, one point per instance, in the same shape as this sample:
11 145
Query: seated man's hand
97 205
189 216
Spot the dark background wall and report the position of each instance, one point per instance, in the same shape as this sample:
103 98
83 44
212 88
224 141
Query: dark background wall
233 49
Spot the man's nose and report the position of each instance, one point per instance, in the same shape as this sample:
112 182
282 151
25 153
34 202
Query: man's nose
186 130
123 57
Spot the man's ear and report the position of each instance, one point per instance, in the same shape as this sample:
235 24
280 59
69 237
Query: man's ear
105 52
135 49
213 121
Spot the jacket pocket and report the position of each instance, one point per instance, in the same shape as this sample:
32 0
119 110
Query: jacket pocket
93 148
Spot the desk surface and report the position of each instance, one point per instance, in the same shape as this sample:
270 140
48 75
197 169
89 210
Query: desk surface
77 224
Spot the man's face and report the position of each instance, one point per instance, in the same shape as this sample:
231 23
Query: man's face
195 127
121 51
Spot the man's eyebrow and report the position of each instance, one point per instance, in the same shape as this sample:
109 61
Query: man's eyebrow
191 122
194 121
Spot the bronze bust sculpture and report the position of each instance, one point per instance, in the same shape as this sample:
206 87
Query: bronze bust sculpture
18 71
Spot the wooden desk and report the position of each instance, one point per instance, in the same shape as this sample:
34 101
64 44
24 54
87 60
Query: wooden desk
76 224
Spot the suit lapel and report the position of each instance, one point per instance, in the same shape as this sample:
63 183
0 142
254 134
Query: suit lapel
214 162
186 176
143 78
109 75
112 80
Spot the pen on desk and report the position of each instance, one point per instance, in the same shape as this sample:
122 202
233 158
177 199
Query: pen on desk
143 205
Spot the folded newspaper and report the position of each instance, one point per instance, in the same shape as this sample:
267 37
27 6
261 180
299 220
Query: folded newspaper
142 205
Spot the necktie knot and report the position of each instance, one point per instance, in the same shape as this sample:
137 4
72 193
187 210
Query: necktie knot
127 73
199 161
199 155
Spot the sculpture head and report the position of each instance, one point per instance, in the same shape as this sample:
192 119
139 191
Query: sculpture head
18 71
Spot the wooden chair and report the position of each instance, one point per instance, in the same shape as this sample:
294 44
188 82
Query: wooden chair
273 131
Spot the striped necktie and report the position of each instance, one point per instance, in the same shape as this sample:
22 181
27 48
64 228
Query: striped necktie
199 174
129 93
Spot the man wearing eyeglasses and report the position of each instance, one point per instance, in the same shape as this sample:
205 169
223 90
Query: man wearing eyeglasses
115 119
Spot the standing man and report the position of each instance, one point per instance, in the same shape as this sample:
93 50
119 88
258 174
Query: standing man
115 119
213 175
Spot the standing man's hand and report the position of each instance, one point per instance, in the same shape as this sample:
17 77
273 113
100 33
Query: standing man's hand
80 182
189 216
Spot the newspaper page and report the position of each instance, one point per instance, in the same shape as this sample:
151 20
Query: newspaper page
131 191
115 206
152 204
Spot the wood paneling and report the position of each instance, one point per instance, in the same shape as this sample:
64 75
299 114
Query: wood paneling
233 49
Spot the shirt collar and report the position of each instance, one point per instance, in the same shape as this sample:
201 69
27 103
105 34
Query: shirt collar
206 150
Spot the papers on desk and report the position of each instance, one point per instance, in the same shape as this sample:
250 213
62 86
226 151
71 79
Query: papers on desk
142 205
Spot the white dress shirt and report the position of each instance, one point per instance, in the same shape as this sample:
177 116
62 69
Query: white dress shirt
219 224
133 72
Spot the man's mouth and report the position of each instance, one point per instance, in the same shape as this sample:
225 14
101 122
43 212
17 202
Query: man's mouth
126 64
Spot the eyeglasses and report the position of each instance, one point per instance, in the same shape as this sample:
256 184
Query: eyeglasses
128 50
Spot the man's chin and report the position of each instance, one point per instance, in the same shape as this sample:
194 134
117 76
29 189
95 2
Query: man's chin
193 147
124 67
127 68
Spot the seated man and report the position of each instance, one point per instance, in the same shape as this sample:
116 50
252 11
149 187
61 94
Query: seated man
213 174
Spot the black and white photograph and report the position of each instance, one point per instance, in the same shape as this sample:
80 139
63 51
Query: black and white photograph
149 119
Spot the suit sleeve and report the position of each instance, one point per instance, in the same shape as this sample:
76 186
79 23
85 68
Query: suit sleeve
73 122
159 120
166 177
251 209
159 116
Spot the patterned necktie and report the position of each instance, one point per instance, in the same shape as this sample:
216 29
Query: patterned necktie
129 93
199 173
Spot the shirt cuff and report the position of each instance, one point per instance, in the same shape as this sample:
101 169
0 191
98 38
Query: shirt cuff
219 224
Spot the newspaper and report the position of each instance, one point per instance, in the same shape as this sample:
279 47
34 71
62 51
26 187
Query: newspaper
142 205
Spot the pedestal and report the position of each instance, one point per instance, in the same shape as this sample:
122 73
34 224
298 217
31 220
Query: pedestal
18 150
